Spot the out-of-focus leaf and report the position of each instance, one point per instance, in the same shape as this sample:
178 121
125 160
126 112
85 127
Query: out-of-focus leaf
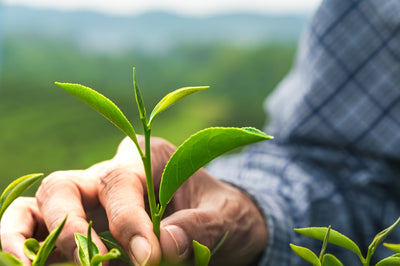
63 264
31 247
202 254
7 259
15 189
200 149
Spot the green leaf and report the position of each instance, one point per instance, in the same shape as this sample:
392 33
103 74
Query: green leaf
31 247
335 238
98 259
325 243
306 254
219 244
139 98
63 264
7 259
90 246
202 254
15 189
379 238
83 249
390 261
110 242
330 260
172 98
199 150
102 105
393 247
48 245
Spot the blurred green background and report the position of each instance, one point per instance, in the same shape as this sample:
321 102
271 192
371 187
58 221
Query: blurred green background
43 129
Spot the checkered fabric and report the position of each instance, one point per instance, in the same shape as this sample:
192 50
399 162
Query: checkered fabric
336 122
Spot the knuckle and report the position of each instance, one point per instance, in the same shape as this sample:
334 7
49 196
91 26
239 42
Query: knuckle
117 219
117 174
53 183
21 202
211 224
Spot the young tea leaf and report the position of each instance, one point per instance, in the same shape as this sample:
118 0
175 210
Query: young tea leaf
390 261
202 254
48 245
331 260
139 98
335 238
101 104
379 238
172 98
325 243
306 254
98 259
83 249
393 247
110 242
199 150
15 189
7 259
31 247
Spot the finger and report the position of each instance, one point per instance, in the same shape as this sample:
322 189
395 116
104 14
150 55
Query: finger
69 193
161 151
220 210
21 221
121 193
179 229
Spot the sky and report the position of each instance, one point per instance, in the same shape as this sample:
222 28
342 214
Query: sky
185 7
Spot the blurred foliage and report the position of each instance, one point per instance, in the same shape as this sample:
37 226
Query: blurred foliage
43 129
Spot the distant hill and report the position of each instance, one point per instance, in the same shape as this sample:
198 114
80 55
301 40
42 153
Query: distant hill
152 32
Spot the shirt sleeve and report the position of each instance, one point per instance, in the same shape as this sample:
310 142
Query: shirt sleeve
334 157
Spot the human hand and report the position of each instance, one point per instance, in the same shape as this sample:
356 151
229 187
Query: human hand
202 209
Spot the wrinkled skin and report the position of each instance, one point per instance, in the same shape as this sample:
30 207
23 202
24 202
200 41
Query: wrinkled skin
113 194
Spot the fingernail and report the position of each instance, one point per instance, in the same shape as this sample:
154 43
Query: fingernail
179 237
141 250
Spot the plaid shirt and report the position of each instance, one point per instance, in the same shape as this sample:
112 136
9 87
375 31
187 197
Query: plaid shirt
336 122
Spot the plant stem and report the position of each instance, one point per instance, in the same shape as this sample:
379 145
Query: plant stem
149 182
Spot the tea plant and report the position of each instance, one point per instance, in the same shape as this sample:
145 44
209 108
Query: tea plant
194 153
328 235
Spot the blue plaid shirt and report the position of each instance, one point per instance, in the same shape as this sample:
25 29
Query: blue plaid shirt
336 122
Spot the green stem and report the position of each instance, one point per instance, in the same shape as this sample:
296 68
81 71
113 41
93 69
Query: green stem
367 260
149 182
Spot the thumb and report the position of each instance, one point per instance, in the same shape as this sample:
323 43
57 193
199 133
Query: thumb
179 229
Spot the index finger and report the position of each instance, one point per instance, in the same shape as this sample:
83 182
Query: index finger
122 195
